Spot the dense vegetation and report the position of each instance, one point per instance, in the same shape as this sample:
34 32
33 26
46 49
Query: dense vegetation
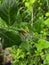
24 28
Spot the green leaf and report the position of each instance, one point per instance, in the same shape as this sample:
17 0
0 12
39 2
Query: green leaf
32 1
42 44
46 60
38 25
47 14
26 46
27 4
47 22
10 38
8 10
2 23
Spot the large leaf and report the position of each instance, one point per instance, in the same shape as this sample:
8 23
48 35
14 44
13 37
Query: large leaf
8 10
10 38
42 44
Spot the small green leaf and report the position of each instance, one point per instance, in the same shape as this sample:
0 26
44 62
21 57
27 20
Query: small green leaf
47 14
47 22
32 1
27 4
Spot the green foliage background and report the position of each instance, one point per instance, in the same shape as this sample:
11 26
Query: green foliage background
24 27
